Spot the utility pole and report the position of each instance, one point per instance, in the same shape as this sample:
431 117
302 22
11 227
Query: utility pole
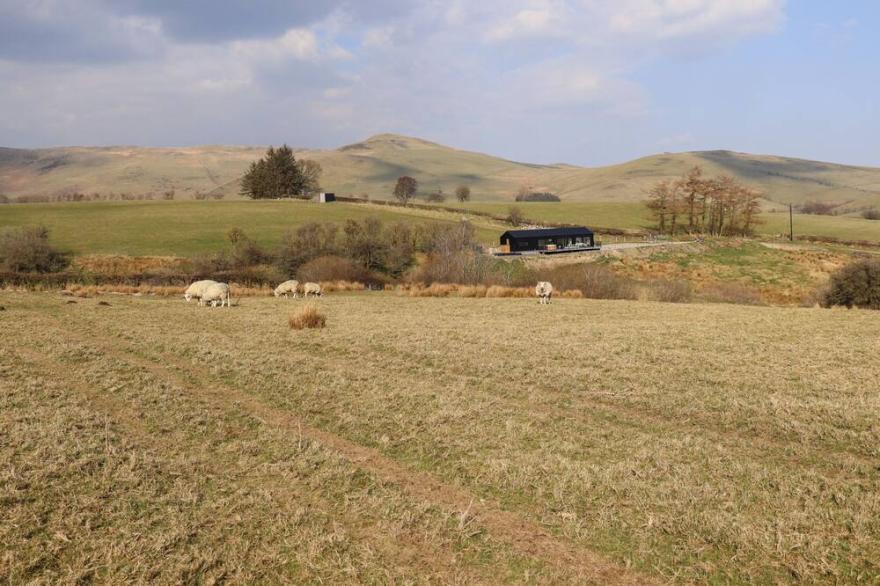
790 223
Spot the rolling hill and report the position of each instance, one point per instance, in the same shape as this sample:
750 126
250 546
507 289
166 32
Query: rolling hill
372 166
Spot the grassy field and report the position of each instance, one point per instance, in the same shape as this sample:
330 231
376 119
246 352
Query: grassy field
634 216
185 228
437 440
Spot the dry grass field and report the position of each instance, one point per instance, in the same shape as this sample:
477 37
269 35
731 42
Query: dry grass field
417 440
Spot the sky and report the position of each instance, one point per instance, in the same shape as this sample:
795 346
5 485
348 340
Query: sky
587 82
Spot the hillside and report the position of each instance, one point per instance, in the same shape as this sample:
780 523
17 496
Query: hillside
372 166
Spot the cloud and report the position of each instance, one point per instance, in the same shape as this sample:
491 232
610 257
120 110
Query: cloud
325 73
684 19
541 19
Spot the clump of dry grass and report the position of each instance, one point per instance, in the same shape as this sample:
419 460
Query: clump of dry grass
307 317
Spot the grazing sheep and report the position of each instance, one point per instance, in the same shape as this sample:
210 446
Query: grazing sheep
313 288
195 290
287 287
544 290
216 293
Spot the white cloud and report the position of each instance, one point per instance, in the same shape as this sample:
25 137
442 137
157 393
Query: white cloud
299 44
677 19
542 19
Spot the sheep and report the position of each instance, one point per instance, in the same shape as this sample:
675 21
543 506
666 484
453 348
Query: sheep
195 290
216 293
286 288
313 288
544 290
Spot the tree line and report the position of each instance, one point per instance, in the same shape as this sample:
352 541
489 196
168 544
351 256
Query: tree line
694 203
407 188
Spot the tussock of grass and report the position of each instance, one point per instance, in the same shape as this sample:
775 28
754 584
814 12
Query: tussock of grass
307 317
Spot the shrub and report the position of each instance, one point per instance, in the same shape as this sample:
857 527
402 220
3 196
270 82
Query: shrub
27 250
871 214
727 292
819 208
309 241
436 196
670 291
592 280
537 196
855 285
333 268
307 317
3 199
515 216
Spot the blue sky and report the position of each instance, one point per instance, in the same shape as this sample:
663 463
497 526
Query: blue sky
588 82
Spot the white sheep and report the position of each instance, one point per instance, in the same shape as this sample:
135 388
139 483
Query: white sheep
216 293
195 290
313 288
544 291
287 287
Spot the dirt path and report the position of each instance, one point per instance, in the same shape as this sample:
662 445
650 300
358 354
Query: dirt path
521 534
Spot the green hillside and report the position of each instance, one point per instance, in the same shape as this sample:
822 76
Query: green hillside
371 167
186 228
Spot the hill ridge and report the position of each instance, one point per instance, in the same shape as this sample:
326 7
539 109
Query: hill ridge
371 167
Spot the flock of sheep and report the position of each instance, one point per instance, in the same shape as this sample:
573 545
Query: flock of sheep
214 294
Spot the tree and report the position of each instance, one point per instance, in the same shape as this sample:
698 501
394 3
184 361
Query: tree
717 205
515 216
311 172
276 175
405 189
436 196
463 193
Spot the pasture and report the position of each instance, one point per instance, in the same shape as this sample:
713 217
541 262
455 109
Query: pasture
185 228
452 440
635 216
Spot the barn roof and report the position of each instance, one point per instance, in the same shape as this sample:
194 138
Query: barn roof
548 232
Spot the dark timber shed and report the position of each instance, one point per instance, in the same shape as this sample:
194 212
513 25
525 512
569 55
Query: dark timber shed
548 240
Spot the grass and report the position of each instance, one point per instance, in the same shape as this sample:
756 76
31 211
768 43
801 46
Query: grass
450 440
186 228
307 317
635 216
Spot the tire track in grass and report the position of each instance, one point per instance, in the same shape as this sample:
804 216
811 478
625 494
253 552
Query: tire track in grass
435 560
524 536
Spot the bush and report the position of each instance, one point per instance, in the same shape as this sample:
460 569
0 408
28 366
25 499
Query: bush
592 280
871 214
670 291
537 196
27 250
3 199
436 197
307 317
855 285
334 268
819 208
726 292
515 216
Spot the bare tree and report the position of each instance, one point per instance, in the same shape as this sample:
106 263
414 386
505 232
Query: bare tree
463 193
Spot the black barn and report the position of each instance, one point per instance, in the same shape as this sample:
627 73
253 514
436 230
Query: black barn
548 240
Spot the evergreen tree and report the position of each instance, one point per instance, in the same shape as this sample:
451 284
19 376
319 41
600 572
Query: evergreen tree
276 175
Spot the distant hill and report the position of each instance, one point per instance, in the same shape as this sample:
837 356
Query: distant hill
372 166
